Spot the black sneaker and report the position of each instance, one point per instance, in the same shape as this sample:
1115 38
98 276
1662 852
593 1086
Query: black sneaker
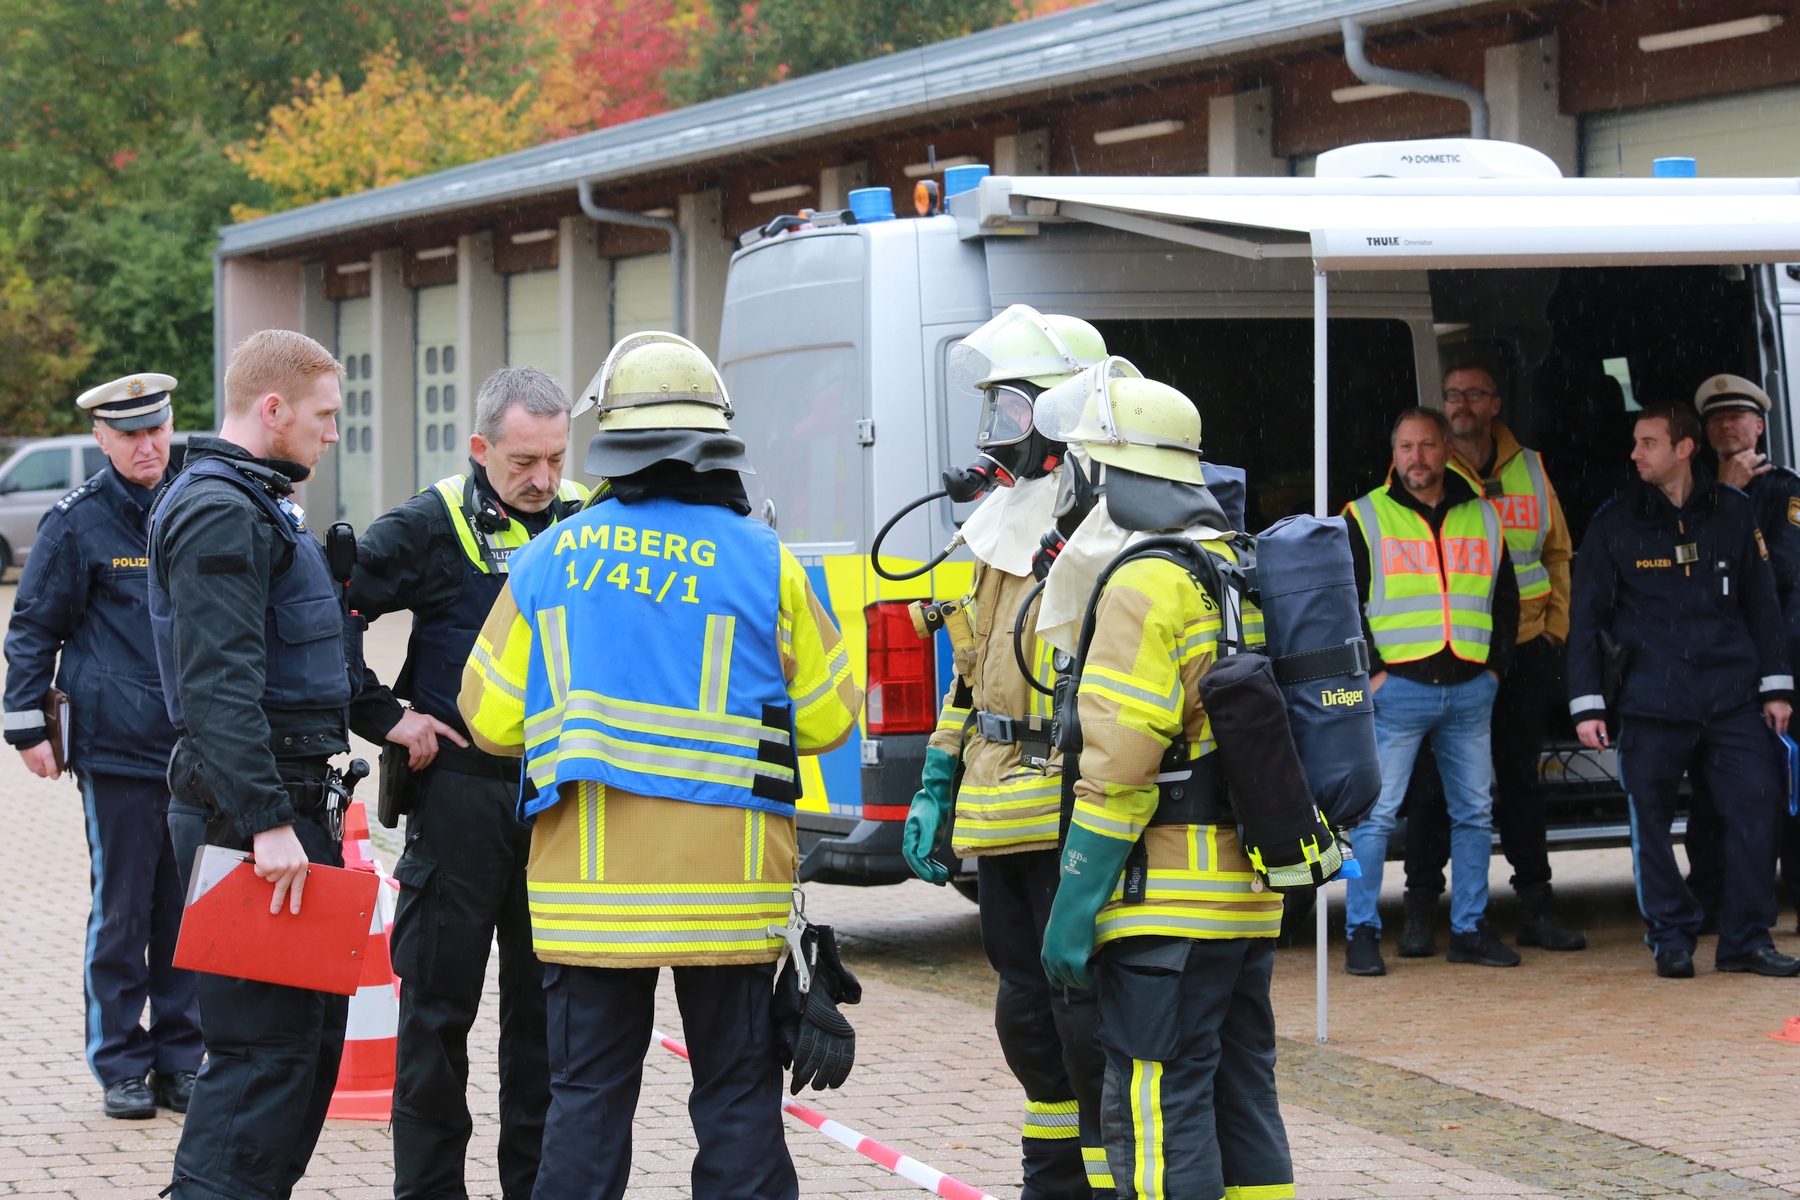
1675 964
1416 939
1482 948
173 1089
129 1100
1764 960
1363 957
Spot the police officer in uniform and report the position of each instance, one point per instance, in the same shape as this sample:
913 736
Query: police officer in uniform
1734 411
1675 572
256 659
660 660
997 726
83 595
1181 968
443 555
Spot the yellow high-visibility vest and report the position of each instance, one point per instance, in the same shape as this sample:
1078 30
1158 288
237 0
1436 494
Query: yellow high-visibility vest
1430 590
1520 493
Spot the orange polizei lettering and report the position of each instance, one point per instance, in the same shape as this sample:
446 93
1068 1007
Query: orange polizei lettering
1468 556
1517 512
1408 556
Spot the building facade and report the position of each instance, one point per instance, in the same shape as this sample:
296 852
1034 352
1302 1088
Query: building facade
425 287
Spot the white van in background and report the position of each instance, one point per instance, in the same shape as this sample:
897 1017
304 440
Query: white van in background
835 339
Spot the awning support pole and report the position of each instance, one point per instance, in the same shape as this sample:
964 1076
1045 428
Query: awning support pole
1321 462
677 248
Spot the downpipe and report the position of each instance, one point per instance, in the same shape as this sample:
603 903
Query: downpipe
1413 81
677 246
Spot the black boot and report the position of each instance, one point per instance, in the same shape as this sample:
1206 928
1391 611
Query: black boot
1539 924
1416 939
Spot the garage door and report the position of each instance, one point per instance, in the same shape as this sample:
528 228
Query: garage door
439 399
641 294
356 431
534 322
1750 134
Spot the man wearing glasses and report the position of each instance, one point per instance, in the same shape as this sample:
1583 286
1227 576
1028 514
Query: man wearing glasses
1513 479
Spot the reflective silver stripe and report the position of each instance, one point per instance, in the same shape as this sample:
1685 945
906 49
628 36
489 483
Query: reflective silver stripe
1464 602
813 697
1406 605
553 627
1540 490
1529 575
490 672
1469 633
715 671
1163 700
19 722
588 899
668 760
1104 822
1408 635
1582 704
1185 888
1776 683
1254 924
1052 1120
757 935
670 722
1370 520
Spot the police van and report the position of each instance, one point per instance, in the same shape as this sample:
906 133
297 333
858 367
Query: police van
1300 314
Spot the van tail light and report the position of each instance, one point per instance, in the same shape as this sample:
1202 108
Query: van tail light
902 694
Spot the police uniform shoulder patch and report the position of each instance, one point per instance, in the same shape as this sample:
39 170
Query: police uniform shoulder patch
78 495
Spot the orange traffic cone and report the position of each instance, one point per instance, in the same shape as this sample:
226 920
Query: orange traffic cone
365 1082
1790 1031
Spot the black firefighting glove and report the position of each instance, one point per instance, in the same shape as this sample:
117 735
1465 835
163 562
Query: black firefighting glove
1049 546
812 1036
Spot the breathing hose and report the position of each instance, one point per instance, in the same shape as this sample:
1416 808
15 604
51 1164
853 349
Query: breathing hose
1018 640
961 485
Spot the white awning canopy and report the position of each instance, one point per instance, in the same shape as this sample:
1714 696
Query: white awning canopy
1411 224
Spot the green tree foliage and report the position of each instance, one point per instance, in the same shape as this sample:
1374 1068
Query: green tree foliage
114 118
750 43
41 348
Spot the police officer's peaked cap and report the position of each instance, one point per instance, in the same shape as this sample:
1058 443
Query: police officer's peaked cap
135 402
1723 392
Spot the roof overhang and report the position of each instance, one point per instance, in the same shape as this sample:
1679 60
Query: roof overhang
1114 40
1411 224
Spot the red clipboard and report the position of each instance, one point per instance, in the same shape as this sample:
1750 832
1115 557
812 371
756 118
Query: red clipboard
227 928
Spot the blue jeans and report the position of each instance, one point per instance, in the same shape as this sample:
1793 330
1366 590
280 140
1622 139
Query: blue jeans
1456 721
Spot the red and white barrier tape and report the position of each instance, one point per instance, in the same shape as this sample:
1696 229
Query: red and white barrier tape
905 1166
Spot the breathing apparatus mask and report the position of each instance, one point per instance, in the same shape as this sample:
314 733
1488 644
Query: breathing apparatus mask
1010 360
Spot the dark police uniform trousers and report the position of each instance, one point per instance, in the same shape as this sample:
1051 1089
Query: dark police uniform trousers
462 884
1050 1036
1190 1068
272 1056
599 1026
137 891
1736 757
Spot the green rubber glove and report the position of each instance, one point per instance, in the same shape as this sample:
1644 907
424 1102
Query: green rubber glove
1091 866
930 809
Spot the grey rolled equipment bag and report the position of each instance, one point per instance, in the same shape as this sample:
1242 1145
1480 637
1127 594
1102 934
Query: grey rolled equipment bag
1312 620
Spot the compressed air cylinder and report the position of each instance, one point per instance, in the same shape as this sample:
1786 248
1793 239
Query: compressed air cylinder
1311 613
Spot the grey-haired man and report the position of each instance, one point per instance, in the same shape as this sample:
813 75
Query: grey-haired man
443 555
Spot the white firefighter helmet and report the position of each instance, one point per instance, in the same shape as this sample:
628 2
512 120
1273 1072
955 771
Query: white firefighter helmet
1124 420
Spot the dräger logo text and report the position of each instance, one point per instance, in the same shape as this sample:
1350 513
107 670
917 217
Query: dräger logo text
1341 696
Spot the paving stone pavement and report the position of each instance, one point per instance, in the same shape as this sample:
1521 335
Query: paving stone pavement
1577 1075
